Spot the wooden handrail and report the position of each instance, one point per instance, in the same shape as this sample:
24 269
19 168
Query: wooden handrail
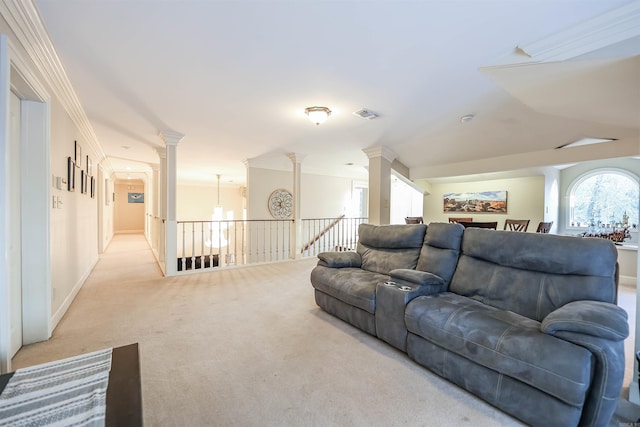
322 233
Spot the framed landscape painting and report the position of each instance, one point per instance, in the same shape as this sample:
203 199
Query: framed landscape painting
480 202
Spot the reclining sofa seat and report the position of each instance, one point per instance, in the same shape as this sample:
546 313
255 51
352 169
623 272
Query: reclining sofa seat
345 282
529 324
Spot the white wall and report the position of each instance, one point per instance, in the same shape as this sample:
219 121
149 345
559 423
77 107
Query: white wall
74 225
195 202
260 184
525 200
128 217
321 196
325 196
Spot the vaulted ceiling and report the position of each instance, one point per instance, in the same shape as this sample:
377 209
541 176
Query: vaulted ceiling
235 76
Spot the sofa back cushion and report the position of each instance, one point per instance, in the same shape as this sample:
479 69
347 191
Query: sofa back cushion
386 247
441 249
533 274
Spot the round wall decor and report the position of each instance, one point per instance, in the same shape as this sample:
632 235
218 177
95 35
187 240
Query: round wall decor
281 204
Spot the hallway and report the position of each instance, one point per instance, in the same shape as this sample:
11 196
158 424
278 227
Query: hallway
108 297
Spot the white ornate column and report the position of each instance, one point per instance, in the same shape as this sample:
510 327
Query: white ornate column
296 230
155 212
161 206
380 159
168 194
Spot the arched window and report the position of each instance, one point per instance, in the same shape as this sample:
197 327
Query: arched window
605 196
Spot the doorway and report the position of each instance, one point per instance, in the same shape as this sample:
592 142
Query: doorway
129 207
14 243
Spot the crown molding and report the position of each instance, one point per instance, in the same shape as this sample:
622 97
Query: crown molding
596 33
24 20
19 65
380 151
162 152
170 138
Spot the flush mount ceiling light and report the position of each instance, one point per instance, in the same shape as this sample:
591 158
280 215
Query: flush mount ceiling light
586 141
317 115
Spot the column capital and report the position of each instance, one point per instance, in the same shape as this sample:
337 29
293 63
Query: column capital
162 152
296 157
249 162
380 151
170 138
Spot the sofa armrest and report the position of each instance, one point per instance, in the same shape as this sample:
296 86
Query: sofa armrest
595 318
340 259
601 328
416 277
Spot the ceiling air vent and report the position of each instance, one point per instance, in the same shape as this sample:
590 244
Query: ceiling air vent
365 114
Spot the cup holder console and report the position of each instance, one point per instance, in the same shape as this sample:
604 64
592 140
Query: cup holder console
401 287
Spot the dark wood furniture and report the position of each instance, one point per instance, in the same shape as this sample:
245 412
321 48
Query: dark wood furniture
454 219
492 225
124 392
544 227
413 220
516 224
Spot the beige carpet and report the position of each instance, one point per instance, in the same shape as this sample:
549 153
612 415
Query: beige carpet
248 347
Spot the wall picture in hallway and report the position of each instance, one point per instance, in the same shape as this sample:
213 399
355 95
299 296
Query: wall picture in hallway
77 154
71 175
136 198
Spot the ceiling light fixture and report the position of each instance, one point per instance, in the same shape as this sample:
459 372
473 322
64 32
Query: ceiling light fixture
217 227
586 141
317 115
467 118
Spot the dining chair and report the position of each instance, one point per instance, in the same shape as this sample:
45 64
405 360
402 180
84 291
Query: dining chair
468 224
413 220
454 219
516 224
544 227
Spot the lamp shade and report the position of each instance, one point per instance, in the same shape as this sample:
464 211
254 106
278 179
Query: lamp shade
317 115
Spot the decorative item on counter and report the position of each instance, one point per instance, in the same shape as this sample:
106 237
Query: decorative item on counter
614 232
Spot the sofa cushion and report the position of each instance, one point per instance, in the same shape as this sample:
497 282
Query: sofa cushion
503 341
386 247
441 249
534 274
353 286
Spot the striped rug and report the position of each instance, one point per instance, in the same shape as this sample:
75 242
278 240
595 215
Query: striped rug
67 392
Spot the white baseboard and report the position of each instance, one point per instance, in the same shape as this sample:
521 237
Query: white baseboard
57 316
628 281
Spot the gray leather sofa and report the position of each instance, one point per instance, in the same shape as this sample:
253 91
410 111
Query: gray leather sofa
527 322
